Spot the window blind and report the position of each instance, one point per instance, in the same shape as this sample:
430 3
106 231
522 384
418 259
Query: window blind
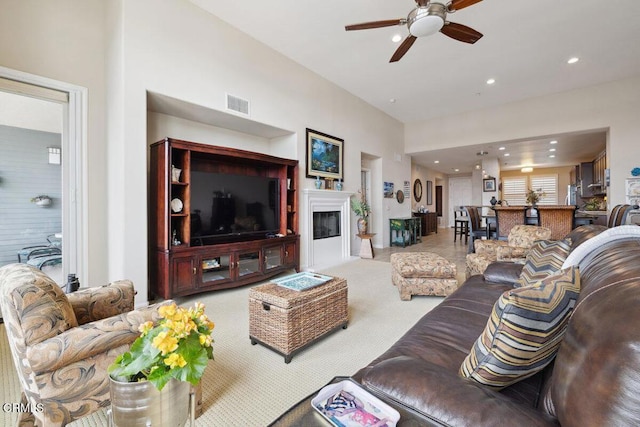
547 184
514 190
34 91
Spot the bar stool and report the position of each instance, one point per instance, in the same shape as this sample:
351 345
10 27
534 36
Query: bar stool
460 224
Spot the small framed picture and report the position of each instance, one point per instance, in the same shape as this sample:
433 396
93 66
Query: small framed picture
488 184
328 184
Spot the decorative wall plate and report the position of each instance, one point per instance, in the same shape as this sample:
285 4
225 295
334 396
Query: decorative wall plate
417 190
176 205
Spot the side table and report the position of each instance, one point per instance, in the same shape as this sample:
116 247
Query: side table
408 231
366 246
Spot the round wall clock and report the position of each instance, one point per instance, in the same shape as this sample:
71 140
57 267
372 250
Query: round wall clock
400 196
417 190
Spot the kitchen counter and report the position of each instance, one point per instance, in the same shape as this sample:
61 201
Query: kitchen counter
600 216
594 213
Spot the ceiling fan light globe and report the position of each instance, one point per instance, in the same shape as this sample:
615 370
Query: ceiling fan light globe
426 26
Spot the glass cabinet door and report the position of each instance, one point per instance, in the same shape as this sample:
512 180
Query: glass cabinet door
248 263
215 269
273 257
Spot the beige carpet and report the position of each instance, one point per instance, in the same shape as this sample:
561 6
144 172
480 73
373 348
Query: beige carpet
251 385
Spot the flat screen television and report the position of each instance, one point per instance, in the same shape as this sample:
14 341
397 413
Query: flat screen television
232 207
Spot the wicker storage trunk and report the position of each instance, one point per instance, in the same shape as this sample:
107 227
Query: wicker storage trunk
285 320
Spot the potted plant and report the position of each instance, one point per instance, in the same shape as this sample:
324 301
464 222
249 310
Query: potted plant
362 209
41 200
533 197
165 359
593 204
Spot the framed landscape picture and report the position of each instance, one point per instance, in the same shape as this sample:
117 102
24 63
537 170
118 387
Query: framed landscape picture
325 156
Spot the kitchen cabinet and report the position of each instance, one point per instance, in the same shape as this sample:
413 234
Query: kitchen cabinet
586 179
598 185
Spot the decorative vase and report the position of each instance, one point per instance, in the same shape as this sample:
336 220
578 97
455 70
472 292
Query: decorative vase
339 185
175 174
318 183
141 404
43 202
493 200
362 226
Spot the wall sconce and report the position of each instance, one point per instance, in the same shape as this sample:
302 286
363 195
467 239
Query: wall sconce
54 155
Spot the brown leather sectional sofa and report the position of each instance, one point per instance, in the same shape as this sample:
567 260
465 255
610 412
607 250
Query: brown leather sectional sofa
594 380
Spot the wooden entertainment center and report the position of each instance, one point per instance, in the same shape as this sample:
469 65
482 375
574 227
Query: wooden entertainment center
183 262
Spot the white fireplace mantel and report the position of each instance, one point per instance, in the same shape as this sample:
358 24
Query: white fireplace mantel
317 254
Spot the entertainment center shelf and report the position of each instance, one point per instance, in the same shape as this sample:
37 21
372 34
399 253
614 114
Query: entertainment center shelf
219 217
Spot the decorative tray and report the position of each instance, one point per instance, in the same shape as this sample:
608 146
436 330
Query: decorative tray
345 404
302 281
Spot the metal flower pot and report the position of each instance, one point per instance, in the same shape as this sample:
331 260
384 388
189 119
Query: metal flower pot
140 404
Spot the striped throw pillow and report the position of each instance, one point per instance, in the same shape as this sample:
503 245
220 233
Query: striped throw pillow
524 331
544 258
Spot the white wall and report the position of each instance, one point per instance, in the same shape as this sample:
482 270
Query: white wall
615 106
188 54
183 52
65 40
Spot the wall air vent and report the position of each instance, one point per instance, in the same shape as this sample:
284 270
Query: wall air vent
237 105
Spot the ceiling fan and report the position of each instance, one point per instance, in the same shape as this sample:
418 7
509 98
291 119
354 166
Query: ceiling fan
426 19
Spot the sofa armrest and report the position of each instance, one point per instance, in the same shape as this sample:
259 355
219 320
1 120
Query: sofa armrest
101 302
505 273
89 340
448 399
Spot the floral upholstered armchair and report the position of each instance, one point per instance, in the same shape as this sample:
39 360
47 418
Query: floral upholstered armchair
514 249
62 344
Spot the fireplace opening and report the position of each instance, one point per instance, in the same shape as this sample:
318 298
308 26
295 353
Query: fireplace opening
326 224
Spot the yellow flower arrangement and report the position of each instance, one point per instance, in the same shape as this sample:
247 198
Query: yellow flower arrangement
179 347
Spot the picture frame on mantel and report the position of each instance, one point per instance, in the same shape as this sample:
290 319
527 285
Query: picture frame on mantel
488 185
325 156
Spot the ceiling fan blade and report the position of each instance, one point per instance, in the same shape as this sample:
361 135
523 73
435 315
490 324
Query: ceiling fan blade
460 32
403 48
461 4
375 24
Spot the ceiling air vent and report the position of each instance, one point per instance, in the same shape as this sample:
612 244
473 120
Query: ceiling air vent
238 105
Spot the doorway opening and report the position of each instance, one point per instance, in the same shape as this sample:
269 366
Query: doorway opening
53 165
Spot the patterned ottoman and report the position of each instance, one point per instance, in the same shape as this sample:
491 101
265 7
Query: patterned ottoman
422 273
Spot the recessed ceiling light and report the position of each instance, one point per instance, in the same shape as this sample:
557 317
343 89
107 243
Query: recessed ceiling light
491 81
552 149
552 156
553 142
573 60
392 100
507 154
526 169
436 161
502 148
478 167
396 38
456 170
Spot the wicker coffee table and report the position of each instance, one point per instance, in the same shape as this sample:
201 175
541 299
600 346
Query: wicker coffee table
287 320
